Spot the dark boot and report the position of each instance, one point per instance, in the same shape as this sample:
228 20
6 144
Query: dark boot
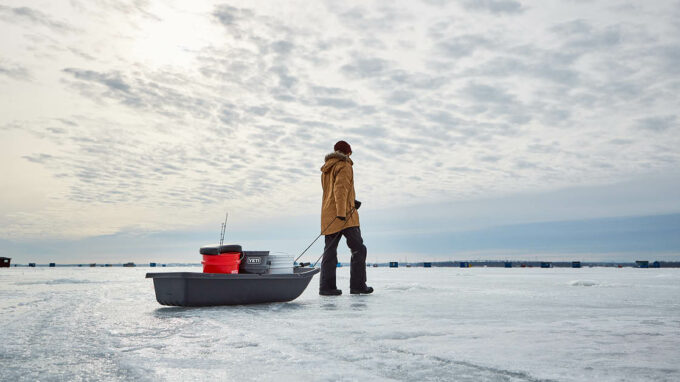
366 290
330 292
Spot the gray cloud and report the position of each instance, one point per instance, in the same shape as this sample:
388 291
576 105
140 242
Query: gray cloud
416 80
38 158
658 123
369 131
365 67
34 16
399 97
490 158
622 142
282 47
125 7
670 54
572 28
463 45
543 148
527 64
488 94
15 72
494 6
230 16
340 103
113 81
285 79
161 96
382 19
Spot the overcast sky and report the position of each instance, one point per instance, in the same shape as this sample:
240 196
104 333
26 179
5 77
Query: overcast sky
155 117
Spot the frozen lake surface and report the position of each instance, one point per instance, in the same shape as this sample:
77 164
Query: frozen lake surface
439 324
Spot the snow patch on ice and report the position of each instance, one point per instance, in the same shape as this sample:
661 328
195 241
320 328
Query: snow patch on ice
408 287
242 344
400 335
57 282
586 283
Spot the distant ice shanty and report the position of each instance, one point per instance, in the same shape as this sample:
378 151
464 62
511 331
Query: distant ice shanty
394 264
32 265
576 264
508 264
642 263
152 264
427 265
464 264
52 265
4 262
130 264
546 264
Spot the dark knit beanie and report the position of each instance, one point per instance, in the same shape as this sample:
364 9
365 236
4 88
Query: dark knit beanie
343 147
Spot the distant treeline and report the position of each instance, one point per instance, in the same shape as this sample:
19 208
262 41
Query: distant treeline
533 263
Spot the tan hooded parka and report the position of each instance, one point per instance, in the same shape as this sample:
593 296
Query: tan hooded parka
337 180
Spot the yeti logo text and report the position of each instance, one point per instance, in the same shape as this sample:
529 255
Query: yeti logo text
253 260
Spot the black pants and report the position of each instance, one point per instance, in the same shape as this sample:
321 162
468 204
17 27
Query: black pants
329 262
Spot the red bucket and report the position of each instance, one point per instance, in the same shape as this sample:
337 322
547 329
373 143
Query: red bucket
227 262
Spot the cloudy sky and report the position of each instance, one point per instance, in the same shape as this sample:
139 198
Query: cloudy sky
128 128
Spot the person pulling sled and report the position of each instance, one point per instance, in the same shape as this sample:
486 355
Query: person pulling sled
339 217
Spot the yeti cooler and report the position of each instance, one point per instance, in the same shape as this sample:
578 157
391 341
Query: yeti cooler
254 262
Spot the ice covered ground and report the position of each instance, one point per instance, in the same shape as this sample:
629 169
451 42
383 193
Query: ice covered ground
479 324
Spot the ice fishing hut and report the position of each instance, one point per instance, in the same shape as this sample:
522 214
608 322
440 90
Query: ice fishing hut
464 264
32 265
394 264
576 264
642 263
546 264
152 264
656 264
4 262
52 265
129 265
427 265
508 264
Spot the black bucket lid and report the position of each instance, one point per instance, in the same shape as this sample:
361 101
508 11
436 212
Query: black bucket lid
216 249
256 253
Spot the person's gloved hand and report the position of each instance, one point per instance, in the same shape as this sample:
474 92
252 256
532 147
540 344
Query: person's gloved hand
341 218
357 204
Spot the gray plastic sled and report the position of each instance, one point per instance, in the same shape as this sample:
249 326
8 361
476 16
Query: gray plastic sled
208 289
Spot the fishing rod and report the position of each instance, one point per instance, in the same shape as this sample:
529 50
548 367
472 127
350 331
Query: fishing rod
223 231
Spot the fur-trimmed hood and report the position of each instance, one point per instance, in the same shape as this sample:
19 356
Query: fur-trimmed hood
333 158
